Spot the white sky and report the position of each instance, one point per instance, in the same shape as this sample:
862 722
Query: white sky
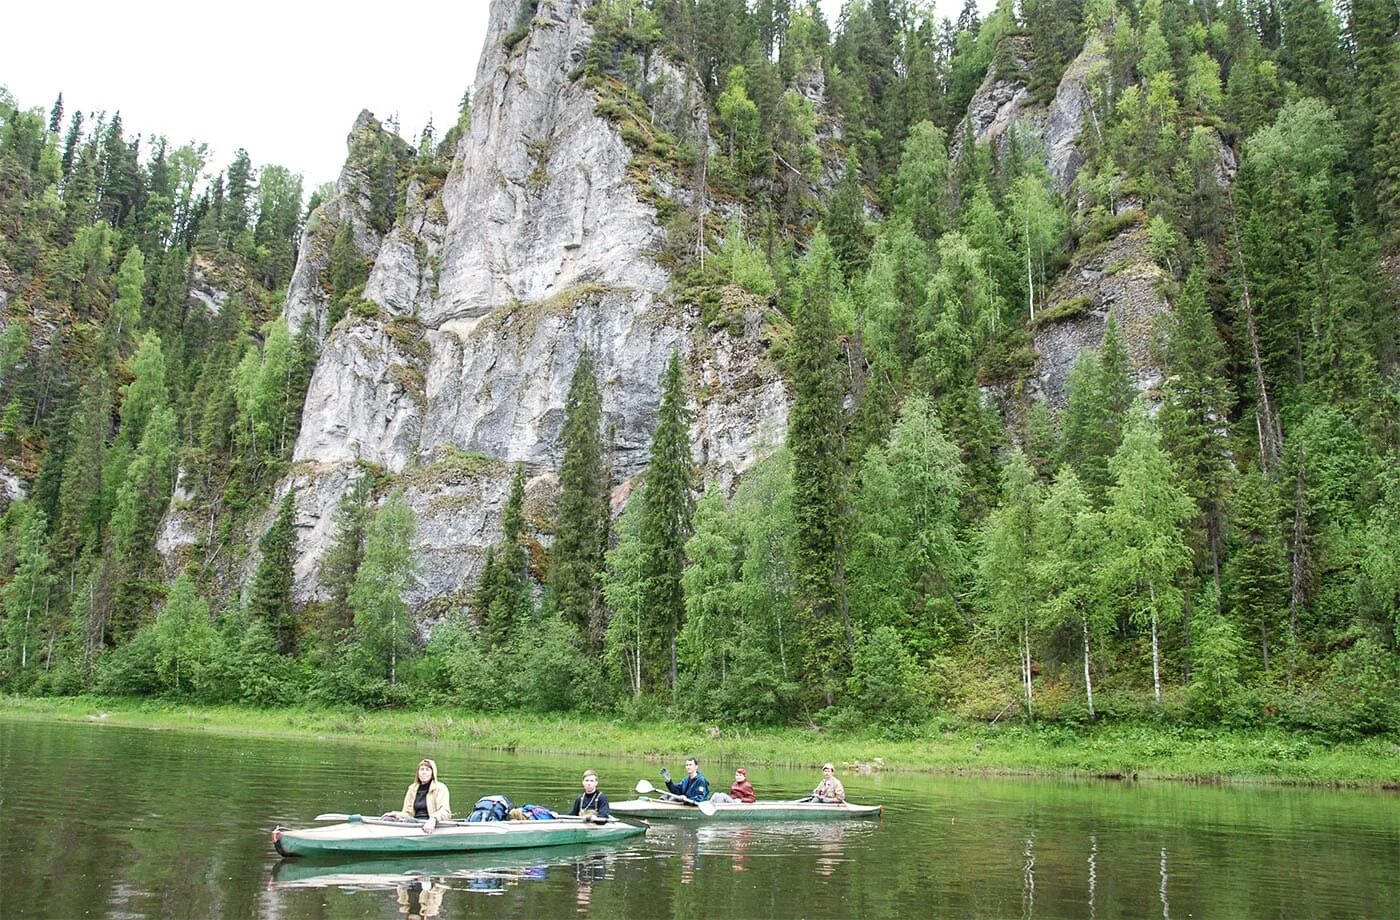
284 80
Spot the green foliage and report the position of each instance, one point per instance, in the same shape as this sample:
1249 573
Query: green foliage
908 562
581 536
184 637
382 623
1217 656
270 597
819 503
885 685
740 263
667 509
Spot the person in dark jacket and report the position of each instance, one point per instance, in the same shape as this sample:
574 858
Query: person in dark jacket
694 787
591 802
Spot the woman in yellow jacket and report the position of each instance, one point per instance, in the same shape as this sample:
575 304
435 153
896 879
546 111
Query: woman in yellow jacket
426 798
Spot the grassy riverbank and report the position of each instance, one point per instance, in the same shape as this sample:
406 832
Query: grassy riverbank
1144 750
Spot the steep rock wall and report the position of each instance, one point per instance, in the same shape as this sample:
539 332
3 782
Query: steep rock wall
484 297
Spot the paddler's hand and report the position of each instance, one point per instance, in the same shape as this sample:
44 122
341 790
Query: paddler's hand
389 816
429 824
666 774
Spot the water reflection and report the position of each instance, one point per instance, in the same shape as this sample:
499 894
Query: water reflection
420 898
1028 877
419 884
1093 870
156 819
1166 908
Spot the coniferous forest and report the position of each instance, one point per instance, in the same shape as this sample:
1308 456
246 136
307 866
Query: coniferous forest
1218 546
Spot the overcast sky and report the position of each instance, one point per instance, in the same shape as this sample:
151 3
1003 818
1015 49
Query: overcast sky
284 80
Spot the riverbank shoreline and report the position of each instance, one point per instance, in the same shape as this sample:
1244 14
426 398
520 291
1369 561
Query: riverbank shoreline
1135 751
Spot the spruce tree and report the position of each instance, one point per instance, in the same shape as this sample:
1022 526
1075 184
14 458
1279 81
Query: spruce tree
819 477
668 504
576 566
1258 572
342 559
140 503
1100 393
25 599
270 597
1196 401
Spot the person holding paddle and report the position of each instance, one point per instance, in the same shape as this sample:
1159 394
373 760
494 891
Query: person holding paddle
426 799
830 788
694 787
591 803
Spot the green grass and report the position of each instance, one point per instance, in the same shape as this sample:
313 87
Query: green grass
1133 750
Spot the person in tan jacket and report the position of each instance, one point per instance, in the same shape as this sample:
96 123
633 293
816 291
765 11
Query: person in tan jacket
426 798
830 788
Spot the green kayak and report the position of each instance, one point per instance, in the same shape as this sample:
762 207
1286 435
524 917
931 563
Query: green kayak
373 835
645 807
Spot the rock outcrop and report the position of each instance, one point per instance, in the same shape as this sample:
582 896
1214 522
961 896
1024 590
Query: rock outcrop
1119 279
481 299
1003 101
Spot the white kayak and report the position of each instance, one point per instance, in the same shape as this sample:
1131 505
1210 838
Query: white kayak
373 835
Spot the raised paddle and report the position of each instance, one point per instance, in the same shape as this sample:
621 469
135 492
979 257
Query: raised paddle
707 808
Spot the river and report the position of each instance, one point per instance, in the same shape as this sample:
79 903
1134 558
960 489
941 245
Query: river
105 821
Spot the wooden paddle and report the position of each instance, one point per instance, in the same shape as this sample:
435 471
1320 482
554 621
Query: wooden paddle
707 808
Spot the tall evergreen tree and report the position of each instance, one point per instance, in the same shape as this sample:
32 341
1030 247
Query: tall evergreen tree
576 566
819 496
25 599
343 557
668 503
1100 393
270 596
502 599
1197 399
1258 574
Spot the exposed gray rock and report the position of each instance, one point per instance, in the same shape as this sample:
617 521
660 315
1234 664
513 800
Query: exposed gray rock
307 295
12 488
361 403
179 531
1002 100
538 247
1069 112
1121 279
539 199
206 291
405 271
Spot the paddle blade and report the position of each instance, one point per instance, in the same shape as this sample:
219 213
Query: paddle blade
644 787
332 816
707 808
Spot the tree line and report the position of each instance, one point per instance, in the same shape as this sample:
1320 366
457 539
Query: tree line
1222 549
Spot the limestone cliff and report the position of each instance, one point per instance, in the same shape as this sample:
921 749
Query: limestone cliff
481 298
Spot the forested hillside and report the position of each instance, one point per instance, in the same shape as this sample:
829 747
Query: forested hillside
1195 517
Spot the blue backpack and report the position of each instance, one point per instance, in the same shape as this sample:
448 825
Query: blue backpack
490 808
537 812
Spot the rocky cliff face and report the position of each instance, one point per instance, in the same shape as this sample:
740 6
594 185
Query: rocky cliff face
537 248
1118 277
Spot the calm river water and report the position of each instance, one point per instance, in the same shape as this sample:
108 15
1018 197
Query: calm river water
112 822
